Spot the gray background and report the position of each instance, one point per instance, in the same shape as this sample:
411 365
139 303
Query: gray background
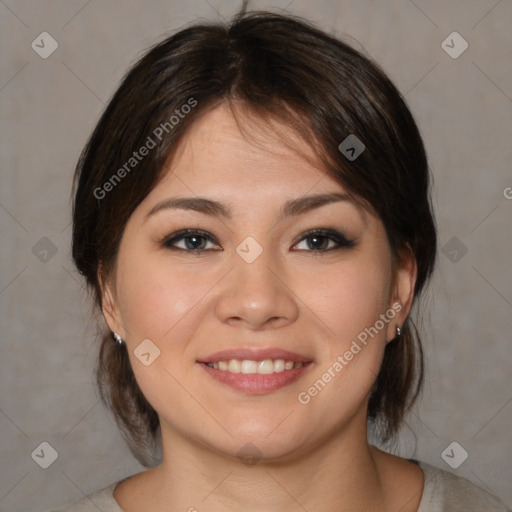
48 109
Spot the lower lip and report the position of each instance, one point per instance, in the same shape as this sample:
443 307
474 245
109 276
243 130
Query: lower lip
256 383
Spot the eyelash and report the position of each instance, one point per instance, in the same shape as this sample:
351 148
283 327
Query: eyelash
331 234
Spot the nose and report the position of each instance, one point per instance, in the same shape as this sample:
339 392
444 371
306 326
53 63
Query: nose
257 295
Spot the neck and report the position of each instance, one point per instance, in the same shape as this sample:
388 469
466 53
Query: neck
342 473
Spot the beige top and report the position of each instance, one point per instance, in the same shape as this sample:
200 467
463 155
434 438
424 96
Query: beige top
442 492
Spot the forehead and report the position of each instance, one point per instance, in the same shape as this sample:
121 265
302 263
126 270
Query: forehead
250 167
240 147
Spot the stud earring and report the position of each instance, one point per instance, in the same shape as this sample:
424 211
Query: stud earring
118 338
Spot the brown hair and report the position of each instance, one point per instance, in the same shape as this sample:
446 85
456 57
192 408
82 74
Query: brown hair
278 67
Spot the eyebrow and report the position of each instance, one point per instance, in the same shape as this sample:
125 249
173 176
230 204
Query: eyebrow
213 208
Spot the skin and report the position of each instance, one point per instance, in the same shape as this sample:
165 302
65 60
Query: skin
315 456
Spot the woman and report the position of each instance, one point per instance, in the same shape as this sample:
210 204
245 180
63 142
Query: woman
252 216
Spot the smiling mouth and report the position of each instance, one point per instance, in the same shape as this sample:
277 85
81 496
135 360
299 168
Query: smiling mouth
256 371
263 367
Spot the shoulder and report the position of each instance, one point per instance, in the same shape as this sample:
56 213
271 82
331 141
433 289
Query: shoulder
445 492
102 499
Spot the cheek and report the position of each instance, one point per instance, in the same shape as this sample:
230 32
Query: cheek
350 298
164 305
349 301
156 298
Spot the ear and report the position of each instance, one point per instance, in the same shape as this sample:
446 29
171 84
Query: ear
402 292
109 306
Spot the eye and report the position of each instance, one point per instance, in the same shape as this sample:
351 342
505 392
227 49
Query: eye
190 240
316 241
324 240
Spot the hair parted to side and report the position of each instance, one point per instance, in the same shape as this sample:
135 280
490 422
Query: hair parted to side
276 67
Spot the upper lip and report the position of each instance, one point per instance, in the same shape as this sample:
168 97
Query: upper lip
254 355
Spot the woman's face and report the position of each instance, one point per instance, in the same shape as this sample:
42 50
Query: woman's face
259 293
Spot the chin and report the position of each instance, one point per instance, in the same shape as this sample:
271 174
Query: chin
250 450
260 441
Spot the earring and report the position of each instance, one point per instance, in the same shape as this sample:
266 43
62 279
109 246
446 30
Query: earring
118 338
398 334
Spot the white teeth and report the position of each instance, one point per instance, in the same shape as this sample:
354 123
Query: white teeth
279 365
234 366
266 366
247 366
